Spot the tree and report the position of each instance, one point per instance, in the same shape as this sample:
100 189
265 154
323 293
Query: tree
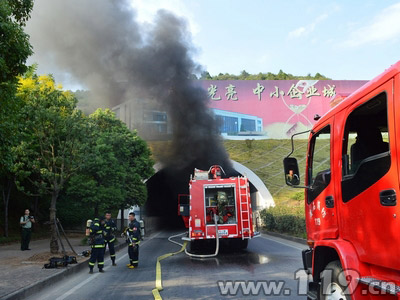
14 42
117 163
205 75
53 131
243 75
261 76
14 50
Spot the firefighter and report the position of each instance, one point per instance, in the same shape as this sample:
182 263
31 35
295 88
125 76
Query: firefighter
109 229
97 243
222 202
133 236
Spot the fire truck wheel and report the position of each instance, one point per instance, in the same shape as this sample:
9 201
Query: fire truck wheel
243 244
333 283
195 246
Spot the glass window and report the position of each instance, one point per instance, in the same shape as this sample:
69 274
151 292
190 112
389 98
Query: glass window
365 155
248 125
227 124
220 201
319 172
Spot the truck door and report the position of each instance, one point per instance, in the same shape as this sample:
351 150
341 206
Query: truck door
369 215
320 199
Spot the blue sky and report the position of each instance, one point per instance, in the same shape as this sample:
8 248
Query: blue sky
340 39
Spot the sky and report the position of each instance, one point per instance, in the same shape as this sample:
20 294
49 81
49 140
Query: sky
343 40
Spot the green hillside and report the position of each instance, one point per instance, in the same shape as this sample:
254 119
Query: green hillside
265 158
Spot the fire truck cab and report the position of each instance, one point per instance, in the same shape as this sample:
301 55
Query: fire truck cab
351 186
216 202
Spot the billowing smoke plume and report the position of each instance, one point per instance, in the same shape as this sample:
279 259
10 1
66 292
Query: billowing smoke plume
100 44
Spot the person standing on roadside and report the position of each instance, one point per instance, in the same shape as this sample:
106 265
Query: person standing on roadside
97 243
109 229
26 223
133 236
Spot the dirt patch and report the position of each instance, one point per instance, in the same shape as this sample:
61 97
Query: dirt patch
11 261
44 257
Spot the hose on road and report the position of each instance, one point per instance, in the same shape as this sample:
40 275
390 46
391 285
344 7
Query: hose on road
158 288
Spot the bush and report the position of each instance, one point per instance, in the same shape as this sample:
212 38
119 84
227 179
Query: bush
284 219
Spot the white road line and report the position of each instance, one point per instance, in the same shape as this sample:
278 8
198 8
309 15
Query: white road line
62 297
65 295
282 243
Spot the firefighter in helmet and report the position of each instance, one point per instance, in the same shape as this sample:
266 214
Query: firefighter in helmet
109 229
133 236
97 243
222 202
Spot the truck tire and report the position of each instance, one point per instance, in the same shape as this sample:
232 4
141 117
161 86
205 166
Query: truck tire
243 244
332 279
195 246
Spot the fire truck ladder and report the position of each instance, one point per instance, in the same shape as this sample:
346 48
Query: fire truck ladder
245 210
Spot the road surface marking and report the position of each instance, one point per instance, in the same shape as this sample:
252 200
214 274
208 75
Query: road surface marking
282 243
63 296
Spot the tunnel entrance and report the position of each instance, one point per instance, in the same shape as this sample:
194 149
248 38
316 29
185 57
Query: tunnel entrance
164 187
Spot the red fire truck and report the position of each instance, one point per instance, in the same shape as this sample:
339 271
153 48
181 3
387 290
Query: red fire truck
351 186
217 207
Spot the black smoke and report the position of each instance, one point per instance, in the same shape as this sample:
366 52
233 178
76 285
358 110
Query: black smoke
101 45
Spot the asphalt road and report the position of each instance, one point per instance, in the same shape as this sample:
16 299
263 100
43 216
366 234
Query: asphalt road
267 259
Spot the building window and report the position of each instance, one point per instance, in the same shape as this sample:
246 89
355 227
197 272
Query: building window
248 125
227 124
154 116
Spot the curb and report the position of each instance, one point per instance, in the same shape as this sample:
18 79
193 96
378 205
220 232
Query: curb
286 237
36 287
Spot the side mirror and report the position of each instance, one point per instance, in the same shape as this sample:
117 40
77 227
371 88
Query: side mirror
292 175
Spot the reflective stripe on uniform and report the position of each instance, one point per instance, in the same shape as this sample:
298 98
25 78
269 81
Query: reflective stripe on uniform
101 263
113 240
91 264
112 255
98 246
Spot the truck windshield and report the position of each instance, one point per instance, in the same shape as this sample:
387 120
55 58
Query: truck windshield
319 175
220 201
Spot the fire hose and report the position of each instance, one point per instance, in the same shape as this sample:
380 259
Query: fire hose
158 288
199 255
216 244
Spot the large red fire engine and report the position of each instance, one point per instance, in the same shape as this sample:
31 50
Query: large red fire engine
351 187
217 207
